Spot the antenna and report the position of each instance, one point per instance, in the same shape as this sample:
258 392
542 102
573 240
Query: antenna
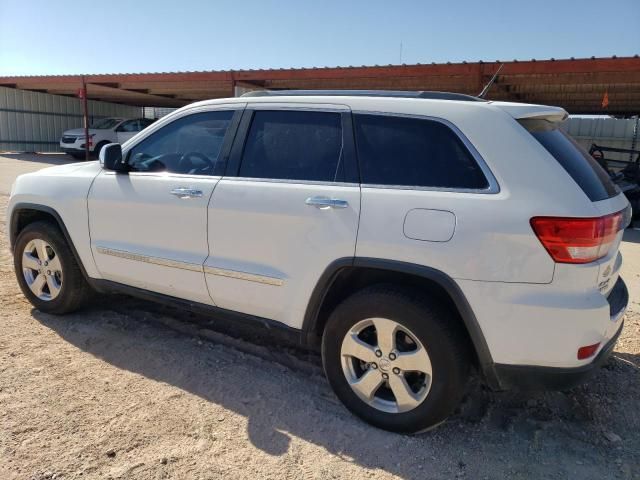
485 90
400 52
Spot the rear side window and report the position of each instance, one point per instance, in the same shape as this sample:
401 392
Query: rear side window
294 145
414 152
582 167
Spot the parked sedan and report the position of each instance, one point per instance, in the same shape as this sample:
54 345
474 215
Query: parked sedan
101 133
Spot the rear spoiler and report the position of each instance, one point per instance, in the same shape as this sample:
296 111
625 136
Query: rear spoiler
521 111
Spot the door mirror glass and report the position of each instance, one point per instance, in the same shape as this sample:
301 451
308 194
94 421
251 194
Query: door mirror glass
111 158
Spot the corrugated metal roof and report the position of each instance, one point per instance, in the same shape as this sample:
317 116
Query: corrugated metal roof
578 85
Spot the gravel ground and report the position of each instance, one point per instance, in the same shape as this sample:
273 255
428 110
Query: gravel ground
127 389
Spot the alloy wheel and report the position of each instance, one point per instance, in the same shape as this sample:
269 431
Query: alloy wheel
386 365
42 269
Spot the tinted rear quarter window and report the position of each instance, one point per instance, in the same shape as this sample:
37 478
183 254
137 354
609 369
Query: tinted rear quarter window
582 167
417 152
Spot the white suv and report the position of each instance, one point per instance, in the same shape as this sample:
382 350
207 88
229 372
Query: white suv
101 133
410 236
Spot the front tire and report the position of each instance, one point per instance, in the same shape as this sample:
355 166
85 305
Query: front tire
47 271
100 146
395 358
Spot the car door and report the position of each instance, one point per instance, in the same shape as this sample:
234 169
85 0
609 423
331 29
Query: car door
127 129
149 227
288 208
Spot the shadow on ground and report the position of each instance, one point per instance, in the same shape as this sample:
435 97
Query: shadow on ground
526 432
632 234
48 158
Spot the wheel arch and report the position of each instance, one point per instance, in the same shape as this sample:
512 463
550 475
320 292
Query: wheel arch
100 144
24 214
345 276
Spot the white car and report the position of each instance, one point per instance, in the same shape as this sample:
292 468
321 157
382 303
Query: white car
101 133
411 237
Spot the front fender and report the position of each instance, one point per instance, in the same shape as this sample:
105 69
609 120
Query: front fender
62 193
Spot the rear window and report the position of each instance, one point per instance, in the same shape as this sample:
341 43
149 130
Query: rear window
414 152
582 167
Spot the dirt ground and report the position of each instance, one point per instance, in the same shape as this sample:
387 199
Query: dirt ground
127 389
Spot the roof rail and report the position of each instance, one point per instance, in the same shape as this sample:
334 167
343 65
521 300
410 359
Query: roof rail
365 93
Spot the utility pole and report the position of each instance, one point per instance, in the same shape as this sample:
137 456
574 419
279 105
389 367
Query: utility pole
85 107
634 139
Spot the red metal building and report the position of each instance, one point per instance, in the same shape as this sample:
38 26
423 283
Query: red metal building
581 86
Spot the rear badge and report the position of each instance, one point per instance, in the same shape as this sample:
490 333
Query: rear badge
602 286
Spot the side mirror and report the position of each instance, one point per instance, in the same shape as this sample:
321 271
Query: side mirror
111 158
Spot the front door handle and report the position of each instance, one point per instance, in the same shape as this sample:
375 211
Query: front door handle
183 192
324 203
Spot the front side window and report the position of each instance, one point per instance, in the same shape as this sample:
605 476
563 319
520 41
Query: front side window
414 152
189 145
294 145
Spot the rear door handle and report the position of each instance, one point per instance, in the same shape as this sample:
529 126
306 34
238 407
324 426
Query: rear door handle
184 192
324 203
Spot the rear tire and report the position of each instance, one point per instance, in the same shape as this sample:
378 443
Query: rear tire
57 286
416 397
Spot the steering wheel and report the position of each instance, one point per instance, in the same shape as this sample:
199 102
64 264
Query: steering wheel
185 164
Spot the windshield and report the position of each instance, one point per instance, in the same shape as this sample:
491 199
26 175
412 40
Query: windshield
105 123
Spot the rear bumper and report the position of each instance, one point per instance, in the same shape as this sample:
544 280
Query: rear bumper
529 377
525 377
618 300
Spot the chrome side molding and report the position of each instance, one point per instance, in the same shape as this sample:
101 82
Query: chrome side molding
251 277
165 262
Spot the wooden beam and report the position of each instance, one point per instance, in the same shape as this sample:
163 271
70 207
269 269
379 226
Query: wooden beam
137 90
131 98
108 84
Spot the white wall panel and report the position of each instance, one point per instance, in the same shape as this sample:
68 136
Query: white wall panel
34 121
606 132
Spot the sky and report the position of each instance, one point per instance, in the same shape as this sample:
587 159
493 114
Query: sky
47 37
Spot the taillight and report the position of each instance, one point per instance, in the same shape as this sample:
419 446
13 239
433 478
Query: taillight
578 240
587 351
